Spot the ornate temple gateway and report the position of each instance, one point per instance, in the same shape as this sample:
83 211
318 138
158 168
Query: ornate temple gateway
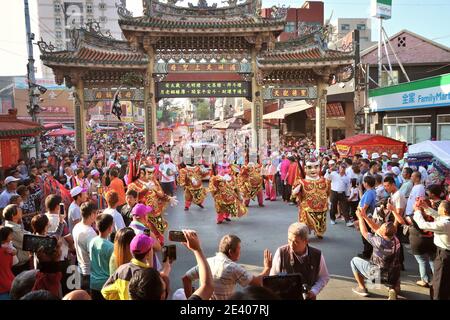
197 51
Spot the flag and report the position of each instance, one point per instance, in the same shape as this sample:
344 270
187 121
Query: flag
116 109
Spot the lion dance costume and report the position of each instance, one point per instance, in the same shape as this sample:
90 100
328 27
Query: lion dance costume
312 195
250 183
151 194
191 179
225 192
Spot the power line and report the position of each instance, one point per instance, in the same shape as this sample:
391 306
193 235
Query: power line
14 53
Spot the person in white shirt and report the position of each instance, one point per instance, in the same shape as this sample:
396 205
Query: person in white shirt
407 184
10 190
79 196
423 171
83 233
418 191
226 272
112 198
167 170
397 206
339 188
379 188
441 229
297 256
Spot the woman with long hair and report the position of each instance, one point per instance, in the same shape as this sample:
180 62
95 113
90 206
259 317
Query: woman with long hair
122 253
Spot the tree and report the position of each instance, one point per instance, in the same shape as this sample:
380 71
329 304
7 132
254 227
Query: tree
202 110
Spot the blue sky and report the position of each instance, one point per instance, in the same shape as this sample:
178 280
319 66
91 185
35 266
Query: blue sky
428 18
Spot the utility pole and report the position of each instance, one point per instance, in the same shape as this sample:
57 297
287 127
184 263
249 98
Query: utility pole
33 97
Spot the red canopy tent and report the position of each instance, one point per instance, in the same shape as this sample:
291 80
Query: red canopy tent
61 132
52 126
371 143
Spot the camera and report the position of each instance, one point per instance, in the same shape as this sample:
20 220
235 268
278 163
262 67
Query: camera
288 286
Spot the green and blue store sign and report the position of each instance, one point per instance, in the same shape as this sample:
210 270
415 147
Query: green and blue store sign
426 93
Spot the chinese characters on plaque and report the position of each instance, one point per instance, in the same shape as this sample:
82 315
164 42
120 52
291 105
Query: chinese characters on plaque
203 89
203 67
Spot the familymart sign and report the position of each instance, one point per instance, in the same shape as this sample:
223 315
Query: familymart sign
427 93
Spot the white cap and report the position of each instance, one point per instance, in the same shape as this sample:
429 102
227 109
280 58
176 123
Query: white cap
396 170
76 191
365 156
95 172
394 156
11 179
375 155
385 154
331 162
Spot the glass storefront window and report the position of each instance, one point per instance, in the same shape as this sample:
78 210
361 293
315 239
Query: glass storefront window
390 120
444 118
426 119
422 133
444 132
404 120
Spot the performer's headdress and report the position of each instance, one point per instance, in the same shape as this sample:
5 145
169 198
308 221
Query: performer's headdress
312 161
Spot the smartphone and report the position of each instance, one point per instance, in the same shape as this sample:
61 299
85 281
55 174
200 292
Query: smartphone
61 209
177 236
169 252
287 287
33 243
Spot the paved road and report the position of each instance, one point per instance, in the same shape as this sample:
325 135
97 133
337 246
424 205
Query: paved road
267 228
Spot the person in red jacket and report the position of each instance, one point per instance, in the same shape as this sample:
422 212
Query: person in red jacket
7 253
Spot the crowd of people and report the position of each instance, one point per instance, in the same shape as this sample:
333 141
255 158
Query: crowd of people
106 210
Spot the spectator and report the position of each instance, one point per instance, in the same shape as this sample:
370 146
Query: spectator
167 170
49 273
422 246
131 198
141 247
384 259
418 191
81 181
147 284
95 182
117 185
339 186
79 196
112 198
100 251
284 168
298 257
7 255
226 272
397 206
291 176
39 295
379 189
13 216
10 190
83 233
70 178
441 228
22 284
367 206
407 184
353 198
122 253
28 205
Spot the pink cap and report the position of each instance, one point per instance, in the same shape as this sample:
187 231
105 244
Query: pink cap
141 244
141 210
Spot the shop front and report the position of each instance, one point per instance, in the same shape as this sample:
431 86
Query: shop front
416 111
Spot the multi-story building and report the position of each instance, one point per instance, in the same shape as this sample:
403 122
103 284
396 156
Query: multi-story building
311 14
58 17
344 26
416 107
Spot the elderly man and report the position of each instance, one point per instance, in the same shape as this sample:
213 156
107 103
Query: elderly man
227 273
10 190
298 257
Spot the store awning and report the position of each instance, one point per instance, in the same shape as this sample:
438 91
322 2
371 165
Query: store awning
287 110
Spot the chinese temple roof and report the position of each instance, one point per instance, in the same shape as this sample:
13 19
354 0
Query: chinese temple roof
10 126
309 50
90 48
168 17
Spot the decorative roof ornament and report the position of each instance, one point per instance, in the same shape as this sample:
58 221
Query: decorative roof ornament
279 12
202 4
122 10
93 27
45 47
231 3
